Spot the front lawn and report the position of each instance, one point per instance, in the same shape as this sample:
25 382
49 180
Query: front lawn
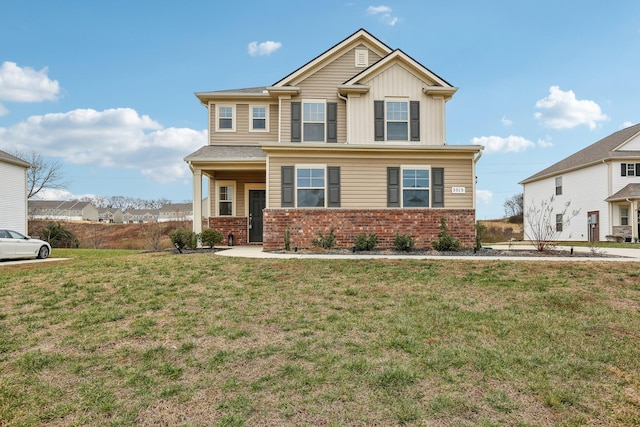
127 338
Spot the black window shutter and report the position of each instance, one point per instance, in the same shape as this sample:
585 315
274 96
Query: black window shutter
287 187
332 122
414 115
437 187
333 173
637 169
296 127
393 187
623 169
378 116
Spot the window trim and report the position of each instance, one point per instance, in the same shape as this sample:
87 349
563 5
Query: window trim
622 216
558 187
217 200
303 121
233 118
252 118
559 223
297 167
428 168
404 100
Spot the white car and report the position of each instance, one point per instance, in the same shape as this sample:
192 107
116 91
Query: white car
16 245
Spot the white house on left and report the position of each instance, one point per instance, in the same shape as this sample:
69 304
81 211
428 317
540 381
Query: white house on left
13 193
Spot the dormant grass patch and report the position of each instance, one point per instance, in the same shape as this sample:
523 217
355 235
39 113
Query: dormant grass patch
123 338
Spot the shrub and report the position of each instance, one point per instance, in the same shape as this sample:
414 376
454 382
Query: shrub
287 240
181 237
211 237
59 237
445 242
403 242
326 242
365 242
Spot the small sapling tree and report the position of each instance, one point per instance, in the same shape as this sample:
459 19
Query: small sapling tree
544 223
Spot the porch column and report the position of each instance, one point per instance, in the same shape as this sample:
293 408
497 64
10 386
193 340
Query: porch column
634 220
197 201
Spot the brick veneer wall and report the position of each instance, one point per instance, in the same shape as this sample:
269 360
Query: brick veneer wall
421 224
234 224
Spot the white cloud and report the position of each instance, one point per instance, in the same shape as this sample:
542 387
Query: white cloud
18 84
561 110
264 48
110 138
545 143
498 144
61 194
484 196
506 122
384 12
624 124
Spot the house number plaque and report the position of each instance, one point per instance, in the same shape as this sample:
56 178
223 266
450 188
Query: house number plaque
458 190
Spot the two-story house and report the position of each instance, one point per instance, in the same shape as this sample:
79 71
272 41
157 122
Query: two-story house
13 193
354 141
601 182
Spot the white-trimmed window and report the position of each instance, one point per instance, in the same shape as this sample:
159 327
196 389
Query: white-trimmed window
226 119
415 186
259 118
558 186
310 186
559 222
313 120
397 120
624 216
225 198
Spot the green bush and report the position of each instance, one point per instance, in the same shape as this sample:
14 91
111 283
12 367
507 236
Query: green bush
181 237
326 242
365 242
58 236
445 242
403 242
211 237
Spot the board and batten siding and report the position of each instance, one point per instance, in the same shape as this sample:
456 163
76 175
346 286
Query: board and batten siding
363 181
242 134
399 82
13 193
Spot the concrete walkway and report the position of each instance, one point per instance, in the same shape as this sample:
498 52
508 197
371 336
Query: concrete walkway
621 254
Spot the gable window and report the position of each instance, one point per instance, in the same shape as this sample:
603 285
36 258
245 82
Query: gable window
313 121
559 186
630 169
259 118
225 203
415 187
396 120
310 186
226 116
624 216
559 222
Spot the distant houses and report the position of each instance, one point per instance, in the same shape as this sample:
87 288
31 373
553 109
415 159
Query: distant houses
85 211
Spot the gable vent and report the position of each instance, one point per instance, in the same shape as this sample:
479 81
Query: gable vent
362 57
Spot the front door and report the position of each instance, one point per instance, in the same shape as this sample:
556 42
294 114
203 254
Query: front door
593 221
257 200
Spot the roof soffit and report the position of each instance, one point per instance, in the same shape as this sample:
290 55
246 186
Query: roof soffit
359 37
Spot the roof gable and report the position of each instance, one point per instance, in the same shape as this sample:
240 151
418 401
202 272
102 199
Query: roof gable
605 149
8 158
360 37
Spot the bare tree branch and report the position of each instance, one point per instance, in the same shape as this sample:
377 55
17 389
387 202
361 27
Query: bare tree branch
42 173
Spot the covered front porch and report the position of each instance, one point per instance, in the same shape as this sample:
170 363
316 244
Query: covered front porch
624 208
236 193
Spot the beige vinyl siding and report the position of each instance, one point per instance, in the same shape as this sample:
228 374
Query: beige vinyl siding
240 178
242 135
397 81
363 181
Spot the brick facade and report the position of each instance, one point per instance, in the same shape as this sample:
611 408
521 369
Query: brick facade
421 224
231 224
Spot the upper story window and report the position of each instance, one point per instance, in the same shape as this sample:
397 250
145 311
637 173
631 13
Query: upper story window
226 118
559 186
415 187
259 118
313 121
630 169
396 120
310 186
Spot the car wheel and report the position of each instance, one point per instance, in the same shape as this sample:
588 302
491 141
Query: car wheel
43 252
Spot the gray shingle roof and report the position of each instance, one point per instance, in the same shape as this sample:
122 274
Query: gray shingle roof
598 151
629 191
227 153
13 159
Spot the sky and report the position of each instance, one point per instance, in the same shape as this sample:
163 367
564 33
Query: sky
106 88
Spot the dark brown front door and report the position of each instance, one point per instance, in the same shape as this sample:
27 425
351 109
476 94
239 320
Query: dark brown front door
593 221
257 200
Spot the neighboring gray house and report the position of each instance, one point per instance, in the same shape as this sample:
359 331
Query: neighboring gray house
602 181
176 212
13 193
62 210
110 215
141 215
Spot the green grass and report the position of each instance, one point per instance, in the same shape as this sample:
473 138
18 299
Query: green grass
124 338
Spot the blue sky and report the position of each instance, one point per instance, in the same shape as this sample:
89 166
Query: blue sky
107 88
